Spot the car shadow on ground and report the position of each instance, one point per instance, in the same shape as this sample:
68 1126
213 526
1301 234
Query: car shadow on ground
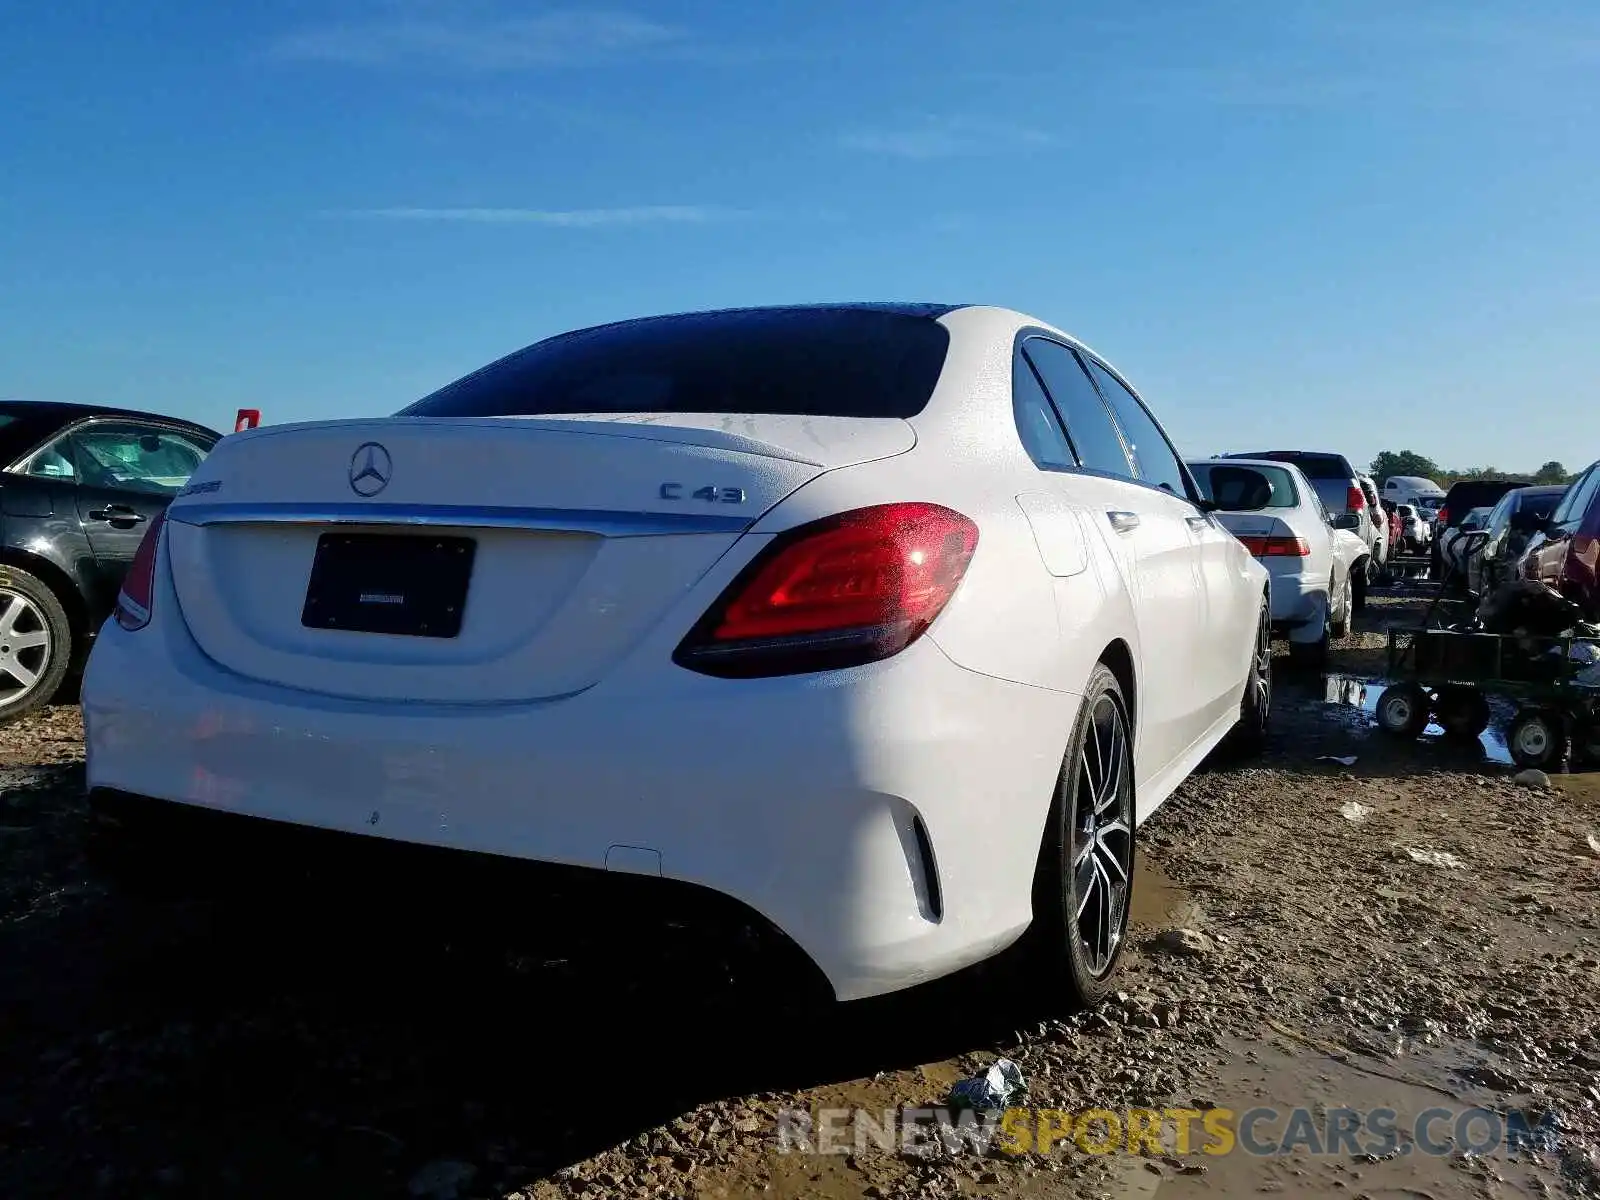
204 1049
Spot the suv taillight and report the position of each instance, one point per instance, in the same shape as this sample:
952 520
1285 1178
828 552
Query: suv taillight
137 597
1444 515
1354 499
837 592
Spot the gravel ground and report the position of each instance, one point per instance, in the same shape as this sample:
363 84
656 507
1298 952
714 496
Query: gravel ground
1411 931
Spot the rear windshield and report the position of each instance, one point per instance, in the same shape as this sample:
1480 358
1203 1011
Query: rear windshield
1312 466
1283 491
801 362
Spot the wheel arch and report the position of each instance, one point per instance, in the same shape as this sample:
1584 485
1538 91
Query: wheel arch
1118 659
58 581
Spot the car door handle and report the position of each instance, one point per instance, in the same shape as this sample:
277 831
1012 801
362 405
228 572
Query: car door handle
116 512
1201 523
1123 522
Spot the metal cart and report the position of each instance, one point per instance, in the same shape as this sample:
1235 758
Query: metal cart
1447 676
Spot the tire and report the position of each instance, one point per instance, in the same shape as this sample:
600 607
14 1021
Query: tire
1462 712
1339 624
1538 739
1073 962
1403 711
36 644
1249 736
1360 584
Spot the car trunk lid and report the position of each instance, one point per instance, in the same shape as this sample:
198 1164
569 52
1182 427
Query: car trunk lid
475 560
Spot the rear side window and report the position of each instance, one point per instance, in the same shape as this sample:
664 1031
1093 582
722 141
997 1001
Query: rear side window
1089 426
801 362
1037 424
1152 453
1284 494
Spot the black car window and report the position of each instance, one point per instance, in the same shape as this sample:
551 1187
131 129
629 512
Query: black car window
132 457
1089 425
1153 456
1576 502
1037 424
53 461
826 362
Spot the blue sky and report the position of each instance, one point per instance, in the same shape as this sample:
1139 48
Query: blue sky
1348 223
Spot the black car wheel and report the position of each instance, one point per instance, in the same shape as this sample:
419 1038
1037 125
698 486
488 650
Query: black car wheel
1249 737
35 643
1083 888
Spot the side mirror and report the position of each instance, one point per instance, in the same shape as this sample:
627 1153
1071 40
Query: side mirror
1350 521
1239 489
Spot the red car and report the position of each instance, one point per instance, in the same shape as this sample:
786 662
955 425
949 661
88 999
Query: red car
1566 553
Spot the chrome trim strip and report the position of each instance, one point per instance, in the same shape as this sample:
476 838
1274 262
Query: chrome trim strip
605 522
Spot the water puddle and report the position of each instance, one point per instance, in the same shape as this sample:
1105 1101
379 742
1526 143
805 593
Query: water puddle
1301 1094
1355 699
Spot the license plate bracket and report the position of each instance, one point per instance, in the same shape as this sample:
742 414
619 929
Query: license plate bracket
408 585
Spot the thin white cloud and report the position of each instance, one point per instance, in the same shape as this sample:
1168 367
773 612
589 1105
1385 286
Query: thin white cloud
560 37
945 137
576 218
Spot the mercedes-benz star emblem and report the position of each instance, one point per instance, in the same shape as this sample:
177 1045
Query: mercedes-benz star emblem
370 469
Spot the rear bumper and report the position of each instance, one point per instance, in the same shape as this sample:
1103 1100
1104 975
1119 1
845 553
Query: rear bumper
1298 597
799 798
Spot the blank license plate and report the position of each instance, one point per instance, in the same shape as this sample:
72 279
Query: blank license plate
406 584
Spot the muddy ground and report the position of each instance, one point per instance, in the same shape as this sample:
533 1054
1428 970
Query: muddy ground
1412 932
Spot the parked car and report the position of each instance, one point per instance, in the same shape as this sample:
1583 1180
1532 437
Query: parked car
889 643
1565 554
1380 520
1511 524
1462 498
1338 484
1313 559
1416 534
1392 521
81 485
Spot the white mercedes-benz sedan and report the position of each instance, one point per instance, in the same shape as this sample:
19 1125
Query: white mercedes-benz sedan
884 625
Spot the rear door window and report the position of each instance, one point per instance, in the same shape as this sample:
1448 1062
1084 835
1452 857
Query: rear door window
1153 456
1037 424
1089 425
825 362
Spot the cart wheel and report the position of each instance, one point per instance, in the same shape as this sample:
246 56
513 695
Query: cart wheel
1403 710
1538 739
1463 712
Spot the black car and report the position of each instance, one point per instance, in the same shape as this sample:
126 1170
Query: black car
1464 496
79 486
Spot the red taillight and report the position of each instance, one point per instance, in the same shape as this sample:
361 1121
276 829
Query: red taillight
1355 499
1444 516
247 418
1277 547
138 587
845 590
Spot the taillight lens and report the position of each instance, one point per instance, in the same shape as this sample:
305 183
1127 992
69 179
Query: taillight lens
1277 547
848 589
1355 499
1444 516
137 597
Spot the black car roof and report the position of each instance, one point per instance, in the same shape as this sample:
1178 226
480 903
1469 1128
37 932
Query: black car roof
64 412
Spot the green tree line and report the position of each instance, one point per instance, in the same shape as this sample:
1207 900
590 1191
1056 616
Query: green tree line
1409 462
